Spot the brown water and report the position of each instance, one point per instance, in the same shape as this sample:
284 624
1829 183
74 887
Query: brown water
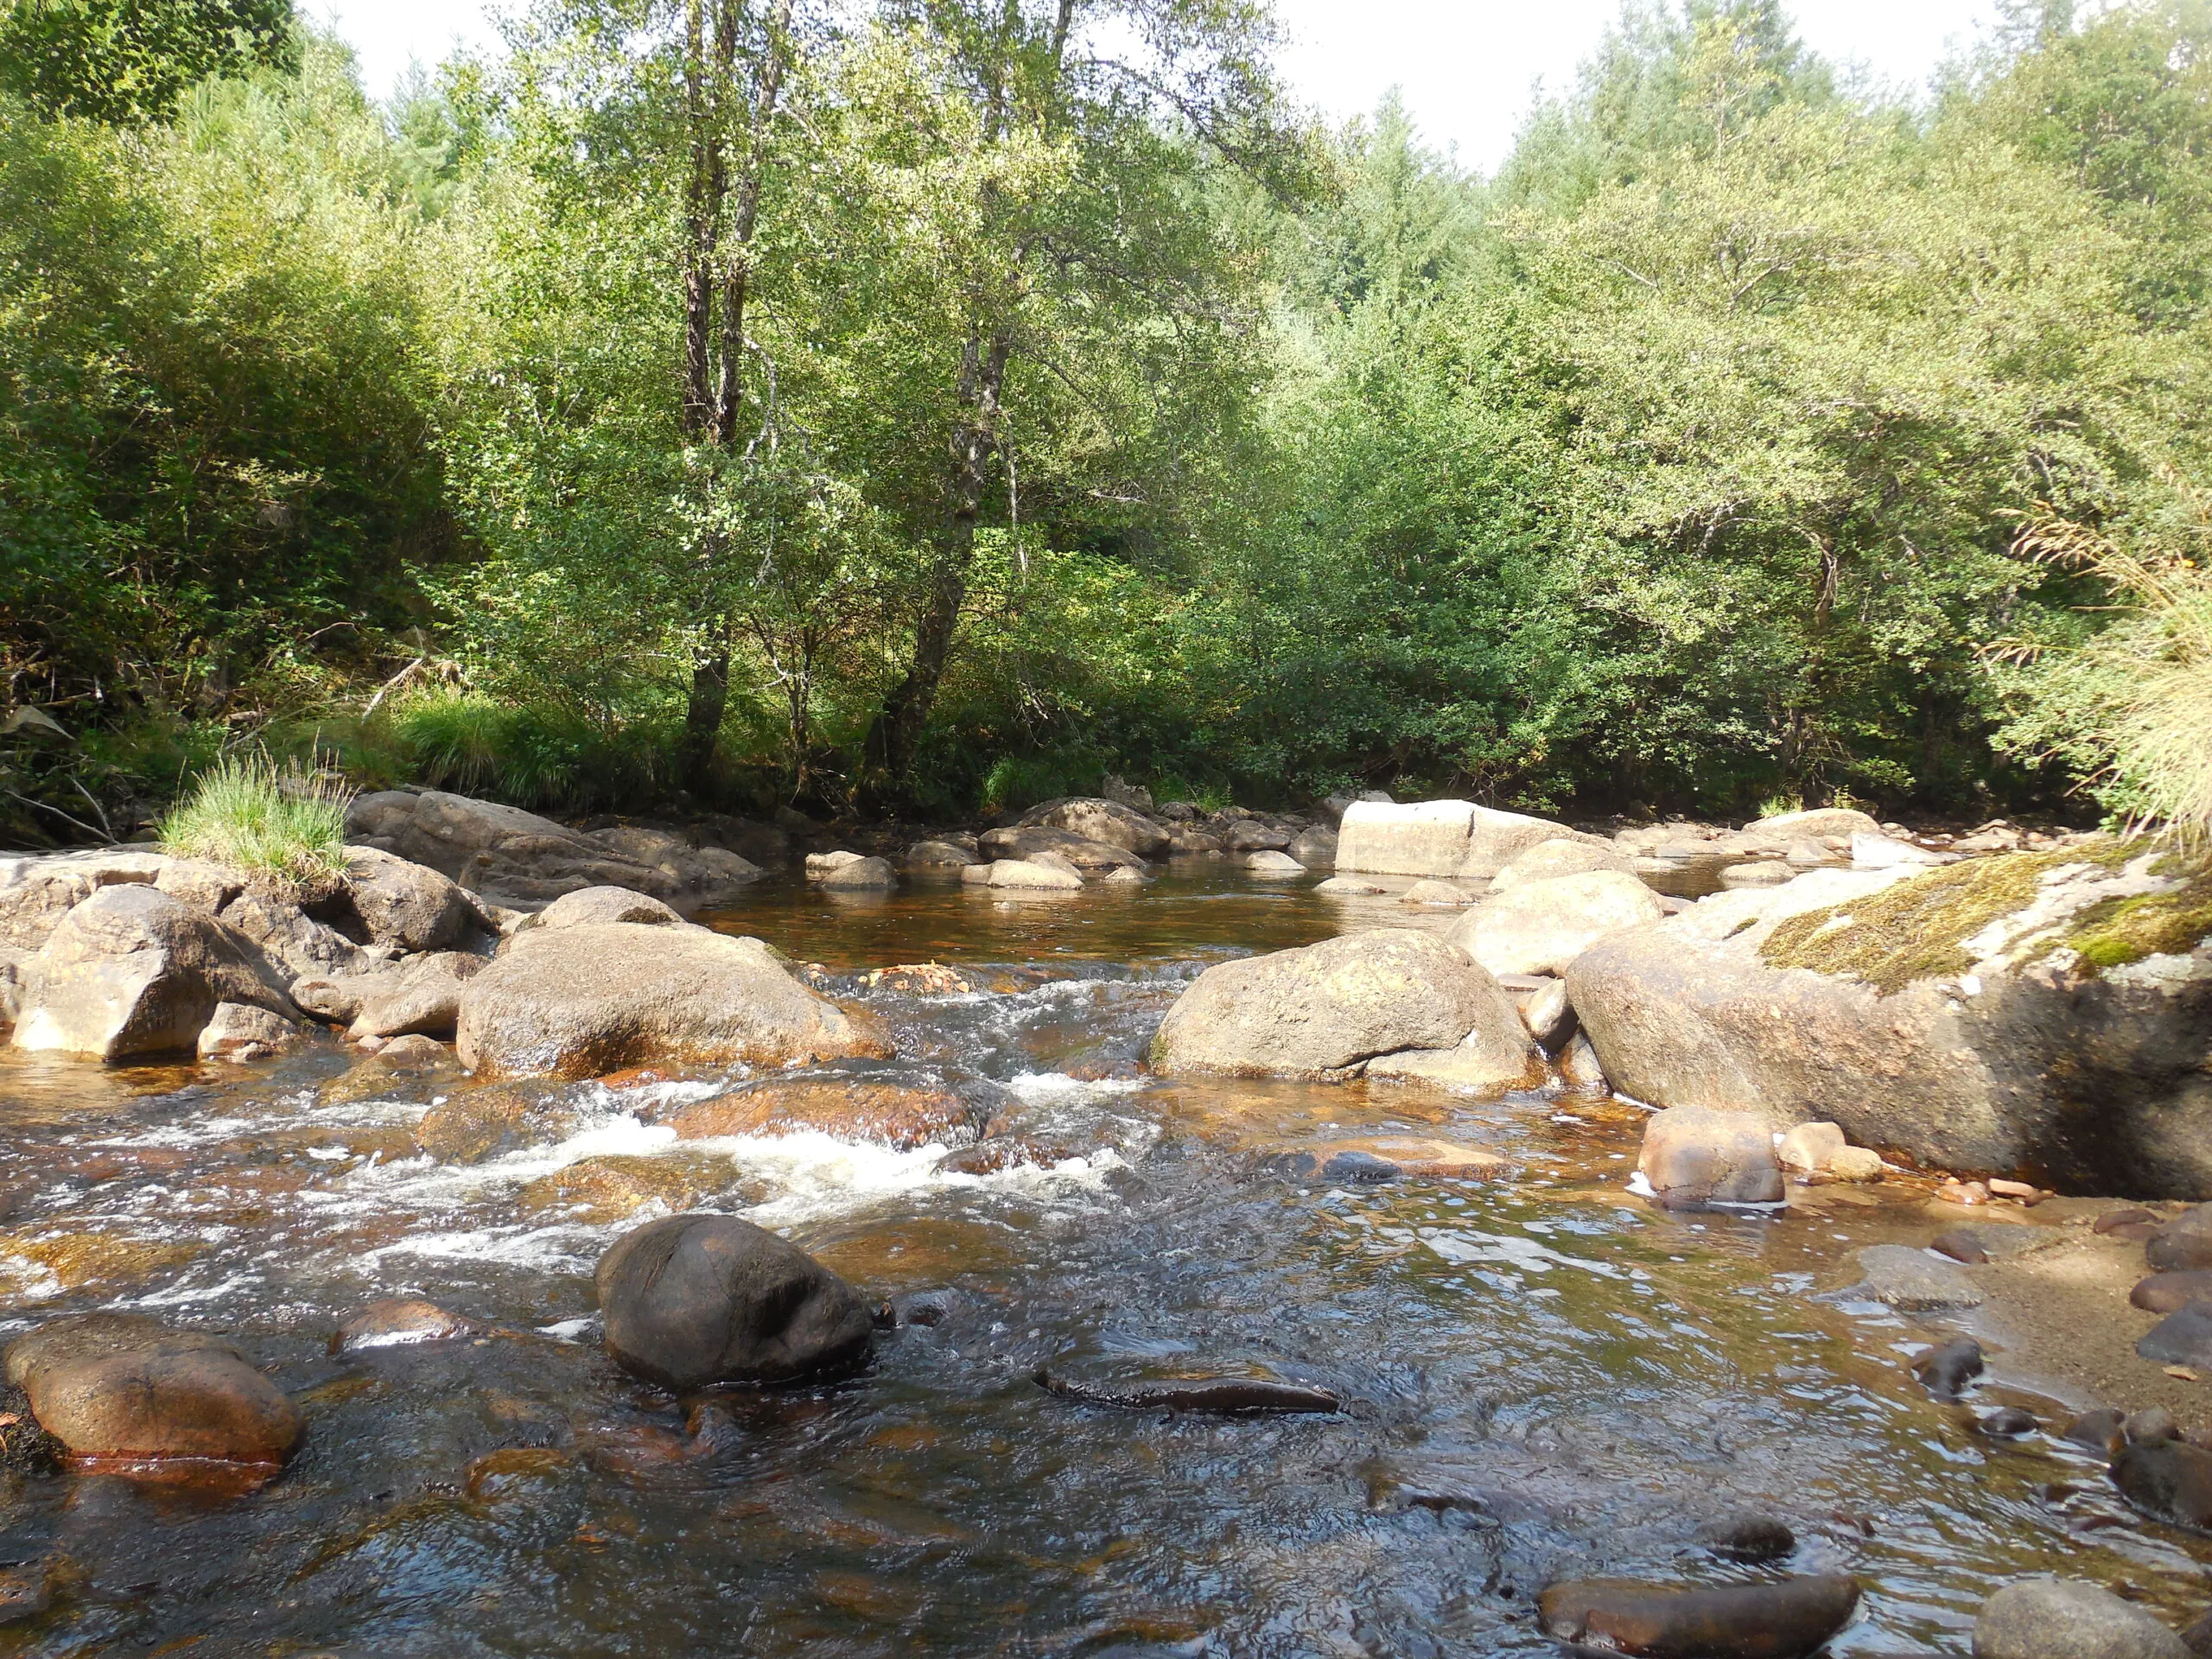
1544 1375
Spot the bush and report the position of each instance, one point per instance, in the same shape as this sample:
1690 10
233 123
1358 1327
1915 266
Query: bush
247 814
528 755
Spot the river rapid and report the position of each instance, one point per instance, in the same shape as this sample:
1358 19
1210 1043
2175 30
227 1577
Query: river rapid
1543 1376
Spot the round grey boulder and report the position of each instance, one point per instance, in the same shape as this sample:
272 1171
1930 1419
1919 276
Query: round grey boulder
2066 1618
1693 1156
693 1300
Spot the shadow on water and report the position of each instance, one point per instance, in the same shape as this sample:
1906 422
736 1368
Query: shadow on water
1541 1374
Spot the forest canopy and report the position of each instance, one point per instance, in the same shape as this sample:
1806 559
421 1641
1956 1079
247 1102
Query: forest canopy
934 406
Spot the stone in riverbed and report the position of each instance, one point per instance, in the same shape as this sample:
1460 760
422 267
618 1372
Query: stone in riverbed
1856 1164
1350 886
583 1001
1096 820
473 1124
1766 873
589 906
1440 838
1429 891
2169 1292
2184 1243
1542 926
239 1031
399 1322
862 876
2099 1430
694 1300
2183 1338
1229 1396
1548 1015
1026 841
126 1394
1784 1618
2066 1618
940 855
132 973
615 1187
1320 1010
851 1109
1902 1277
1558 857
1493 1062
2169 1480
1808 1147
1315 848
1747 1535
422 998
1267 862
1946 1371
1030 876
407 906
1691 1157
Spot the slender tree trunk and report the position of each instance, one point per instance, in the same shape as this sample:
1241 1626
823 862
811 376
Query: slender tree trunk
714 391
896 733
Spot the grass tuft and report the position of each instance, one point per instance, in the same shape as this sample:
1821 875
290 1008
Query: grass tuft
246 813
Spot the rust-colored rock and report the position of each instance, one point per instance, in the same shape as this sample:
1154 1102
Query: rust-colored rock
851 1109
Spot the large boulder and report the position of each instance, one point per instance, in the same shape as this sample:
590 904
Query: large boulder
2066 1618
37 892
273 919
1026 841
1034 874
590 906
508 856
1540 925
694 1300
123 1391
1776 834
132 973
1315 847
583 1001
1559 857
1111 822
1693 1157
407 906
2043 1016
1439 838
1323 1009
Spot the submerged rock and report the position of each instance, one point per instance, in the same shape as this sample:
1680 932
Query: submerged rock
2167 1479
2066 1618
124 1393
133 973
1031 874
399 1322
615 1187
583 1001
1026 841
1747 1535
1230 1397
1783 1619
851 1109
1691 1157
1902 1277
862 876
1946 1371
1322 1009
694 1300
1267 862
473 1124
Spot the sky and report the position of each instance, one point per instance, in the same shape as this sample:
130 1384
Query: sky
1465 68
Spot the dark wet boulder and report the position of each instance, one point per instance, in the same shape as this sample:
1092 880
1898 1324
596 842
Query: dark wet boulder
133 973
124 1393
400 1322
1747 1535
2098 1430
1946 1371
2183 1338
1693 1157
583 1001
2007 1422
2152 1423
1225 1395
2182 1244
1783 1619
1322 1010
2169 1292
2169 1480
694 1300
2066 1618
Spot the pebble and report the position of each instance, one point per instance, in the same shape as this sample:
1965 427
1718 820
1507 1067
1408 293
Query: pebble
2152 1424
2007 1422
2169 1292
1747 1535
1946 1370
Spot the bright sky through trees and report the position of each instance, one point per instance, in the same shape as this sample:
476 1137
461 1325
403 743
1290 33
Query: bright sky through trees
1466 67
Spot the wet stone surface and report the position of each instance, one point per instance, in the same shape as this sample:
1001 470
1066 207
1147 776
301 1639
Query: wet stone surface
1540 1377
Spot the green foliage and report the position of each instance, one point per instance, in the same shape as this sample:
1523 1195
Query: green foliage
247 813
529 754
128 62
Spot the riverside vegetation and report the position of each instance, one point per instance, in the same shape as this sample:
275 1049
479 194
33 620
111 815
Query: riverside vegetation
935 406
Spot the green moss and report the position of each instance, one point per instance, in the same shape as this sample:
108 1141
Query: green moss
2120 930
1918 929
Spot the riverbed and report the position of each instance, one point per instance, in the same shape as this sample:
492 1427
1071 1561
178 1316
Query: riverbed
1543 1375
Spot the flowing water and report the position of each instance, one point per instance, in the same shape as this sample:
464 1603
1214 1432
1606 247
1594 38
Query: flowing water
1543 1375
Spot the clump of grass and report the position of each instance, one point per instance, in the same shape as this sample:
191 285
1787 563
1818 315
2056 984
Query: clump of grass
246 813
2136 697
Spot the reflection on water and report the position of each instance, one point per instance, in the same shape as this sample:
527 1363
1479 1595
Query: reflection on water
1543 1376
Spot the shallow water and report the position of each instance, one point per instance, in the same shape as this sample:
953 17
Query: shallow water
1543 1376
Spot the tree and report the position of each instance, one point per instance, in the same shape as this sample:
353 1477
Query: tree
128 62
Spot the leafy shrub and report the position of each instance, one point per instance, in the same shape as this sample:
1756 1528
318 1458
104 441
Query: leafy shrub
248 814
528 754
